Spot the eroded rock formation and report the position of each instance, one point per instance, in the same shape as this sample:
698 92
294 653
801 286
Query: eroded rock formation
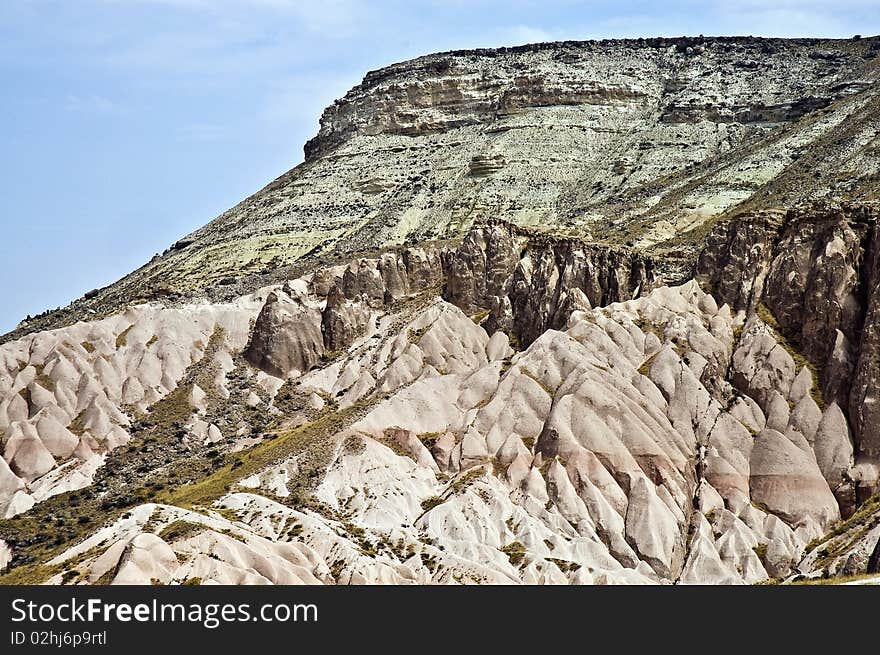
538 315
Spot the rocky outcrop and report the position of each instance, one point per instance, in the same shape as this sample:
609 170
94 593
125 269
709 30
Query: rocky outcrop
595 455
342 320
813 286
326 314
736 257
435 93
523 282
864 399
812 276
286 337
474 398
530 282
644 141
655 438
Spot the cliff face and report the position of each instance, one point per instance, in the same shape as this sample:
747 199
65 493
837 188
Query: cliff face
641 142
814 273
528 282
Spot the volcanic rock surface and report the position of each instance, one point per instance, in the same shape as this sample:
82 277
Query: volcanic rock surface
575 313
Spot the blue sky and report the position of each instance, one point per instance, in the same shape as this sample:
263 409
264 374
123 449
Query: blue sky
125 124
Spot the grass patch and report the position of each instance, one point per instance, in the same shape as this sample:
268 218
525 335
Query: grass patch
77 425
44 380
428 439
737 333
498 468
834 580
645 368
515 552
122 337
465 481
415 336
529 374
767 316
869 507
564 565
431 502
34 574
180 530
480 316
292 528
647 326
788 342
313 437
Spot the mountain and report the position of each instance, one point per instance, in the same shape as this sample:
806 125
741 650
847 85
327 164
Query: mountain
579 312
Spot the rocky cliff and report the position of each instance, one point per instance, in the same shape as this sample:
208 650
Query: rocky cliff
599 312
624 141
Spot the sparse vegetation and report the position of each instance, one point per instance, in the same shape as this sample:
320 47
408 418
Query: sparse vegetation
431 502
69 576
415 336
122 337
529 374
865 519
515 552
645 368
564 565
428 439
480 316
44 380
832 580
180 530
760 551
466 480
498 468
789 342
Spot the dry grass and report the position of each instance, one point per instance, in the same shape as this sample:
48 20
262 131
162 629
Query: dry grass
789 343
838 580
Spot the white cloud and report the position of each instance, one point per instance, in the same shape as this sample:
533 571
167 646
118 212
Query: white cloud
328 18
520 34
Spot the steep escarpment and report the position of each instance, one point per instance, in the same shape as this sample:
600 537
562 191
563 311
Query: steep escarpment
530 282
624 141
407 436
812 274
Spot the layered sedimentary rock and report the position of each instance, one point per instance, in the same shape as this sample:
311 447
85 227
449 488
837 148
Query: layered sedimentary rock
531 282
812 274
643 141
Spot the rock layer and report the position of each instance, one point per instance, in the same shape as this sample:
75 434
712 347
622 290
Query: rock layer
643 141
811 273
